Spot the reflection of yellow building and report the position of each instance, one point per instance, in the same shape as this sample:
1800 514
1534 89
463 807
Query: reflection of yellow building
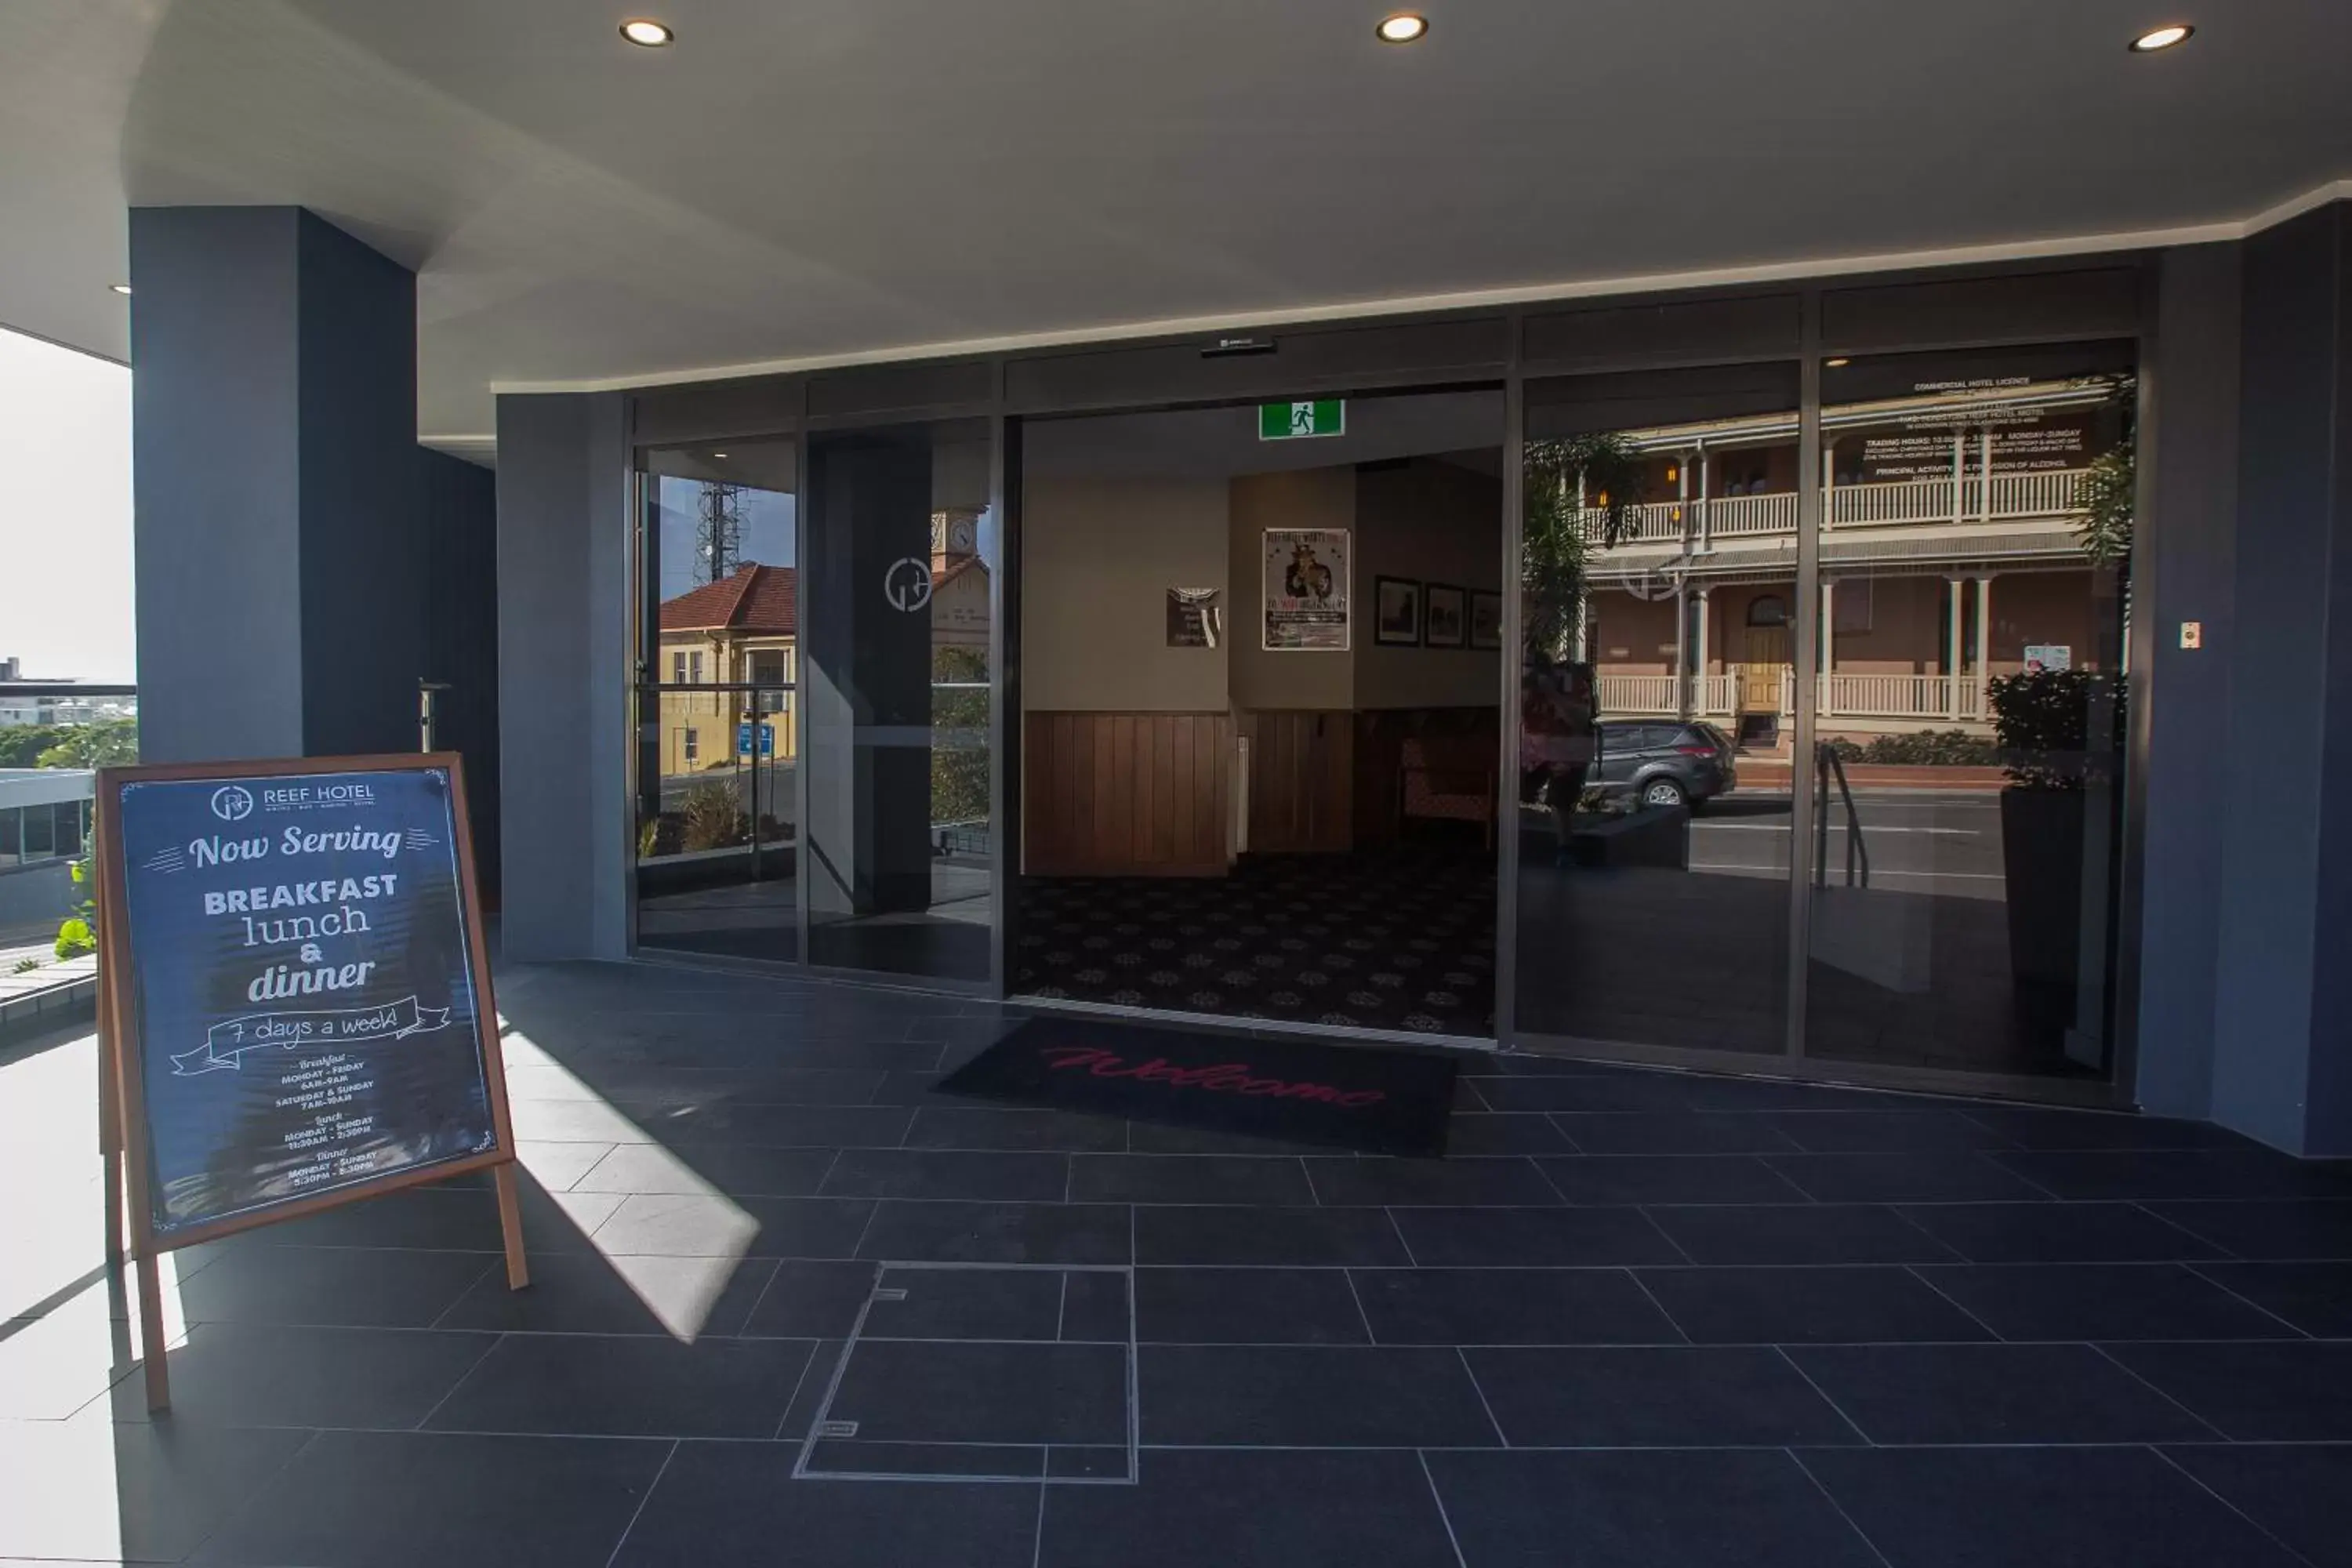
741 629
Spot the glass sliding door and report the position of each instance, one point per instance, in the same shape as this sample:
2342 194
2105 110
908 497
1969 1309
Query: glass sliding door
1975 554
900 848
718 729
1658 589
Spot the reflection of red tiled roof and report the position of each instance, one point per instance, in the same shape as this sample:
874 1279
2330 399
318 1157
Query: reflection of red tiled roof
756 601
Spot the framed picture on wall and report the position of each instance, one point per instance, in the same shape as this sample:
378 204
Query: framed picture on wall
1445 616
1486 618
1396 612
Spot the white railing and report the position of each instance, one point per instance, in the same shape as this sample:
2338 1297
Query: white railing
1927 698
1733 515
1893 503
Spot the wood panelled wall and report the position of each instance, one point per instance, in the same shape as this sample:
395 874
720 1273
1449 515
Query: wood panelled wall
1126 794
1302 780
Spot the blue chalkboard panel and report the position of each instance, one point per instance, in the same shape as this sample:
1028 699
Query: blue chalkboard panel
303 991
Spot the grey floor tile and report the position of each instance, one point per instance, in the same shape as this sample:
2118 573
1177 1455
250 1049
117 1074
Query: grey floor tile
1309 1396
1344 1183
1243 1510
2156 1173
2036 1127
1533 1237
1487 1133
1674 1133
1692 1509
1510 1307
682 1225
2314 1297
2042 1232
394 1500
997 1177
2102 1301
789 1126
1938 1176
1668 1179
1641 1397
805 1299
1619 1091
911 1390
1806 1306
967 1304
1993 1393
1155 1138
2279 1391
1255 1180
245 1375
93 1490
644 1386
2281 1229
737 1502
332 1286
1293 1237
1799 1233
733 1170
626 1295
987 1127
925 1232
1886 1131
2086 1508
1247 1306
1096 1308
2301 1493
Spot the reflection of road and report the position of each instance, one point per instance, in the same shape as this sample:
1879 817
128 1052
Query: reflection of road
1918 841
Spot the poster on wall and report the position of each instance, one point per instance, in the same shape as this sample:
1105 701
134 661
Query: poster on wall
1196 618
1308 577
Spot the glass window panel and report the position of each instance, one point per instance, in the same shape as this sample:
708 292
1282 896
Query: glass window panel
902 551
1657 565
1965 847
719 561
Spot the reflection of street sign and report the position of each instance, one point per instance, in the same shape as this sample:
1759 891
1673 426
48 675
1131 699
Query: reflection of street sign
1295 421
743 739
907 584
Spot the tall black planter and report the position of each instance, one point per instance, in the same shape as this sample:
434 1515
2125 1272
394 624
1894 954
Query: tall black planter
2042 857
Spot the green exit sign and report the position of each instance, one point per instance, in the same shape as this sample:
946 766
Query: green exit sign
1295 421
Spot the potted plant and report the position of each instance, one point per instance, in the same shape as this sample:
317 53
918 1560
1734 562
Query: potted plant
2042 720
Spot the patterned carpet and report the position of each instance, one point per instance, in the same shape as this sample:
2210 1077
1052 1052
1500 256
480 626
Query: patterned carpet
1381 940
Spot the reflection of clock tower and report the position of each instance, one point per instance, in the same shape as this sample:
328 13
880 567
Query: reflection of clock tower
955 538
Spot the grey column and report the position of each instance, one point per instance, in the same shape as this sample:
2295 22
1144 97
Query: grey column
282 580
2283 992
563 674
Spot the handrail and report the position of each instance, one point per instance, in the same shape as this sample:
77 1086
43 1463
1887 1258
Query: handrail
1827 761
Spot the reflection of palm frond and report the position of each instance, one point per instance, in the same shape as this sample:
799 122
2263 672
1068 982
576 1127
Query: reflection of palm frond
1582 491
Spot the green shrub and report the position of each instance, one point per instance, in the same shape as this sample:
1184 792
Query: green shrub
2042 720
714 817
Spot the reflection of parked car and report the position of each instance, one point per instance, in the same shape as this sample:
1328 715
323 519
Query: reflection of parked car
1663 763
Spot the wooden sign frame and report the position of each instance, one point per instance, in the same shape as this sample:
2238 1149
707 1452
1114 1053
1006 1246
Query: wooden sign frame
123 1114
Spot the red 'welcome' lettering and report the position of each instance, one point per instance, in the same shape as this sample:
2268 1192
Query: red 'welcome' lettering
1224 1078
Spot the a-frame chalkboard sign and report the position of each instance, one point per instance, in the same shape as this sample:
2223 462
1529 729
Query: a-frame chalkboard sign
295 1006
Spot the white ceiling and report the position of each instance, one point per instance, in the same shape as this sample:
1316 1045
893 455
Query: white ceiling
805 180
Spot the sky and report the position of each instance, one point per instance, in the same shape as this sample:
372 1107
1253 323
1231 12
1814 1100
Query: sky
65 512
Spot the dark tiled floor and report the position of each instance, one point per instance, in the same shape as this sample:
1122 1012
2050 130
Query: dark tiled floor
1637 1317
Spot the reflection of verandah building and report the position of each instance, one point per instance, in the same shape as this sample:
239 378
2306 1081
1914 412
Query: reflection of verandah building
1949 552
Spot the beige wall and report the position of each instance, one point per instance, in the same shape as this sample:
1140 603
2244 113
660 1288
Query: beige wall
1433 522
1098 558
1312 498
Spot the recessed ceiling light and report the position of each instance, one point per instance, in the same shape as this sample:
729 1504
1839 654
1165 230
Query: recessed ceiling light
1833 364
1404 27
720 454
119 288
2163 37
646 32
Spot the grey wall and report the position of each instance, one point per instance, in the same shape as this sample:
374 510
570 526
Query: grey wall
459 514
2279 1033
281 571
563 674
2183 573
216 547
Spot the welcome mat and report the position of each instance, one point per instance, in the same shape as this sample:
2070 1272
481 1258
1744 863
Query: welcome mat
1371 1097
